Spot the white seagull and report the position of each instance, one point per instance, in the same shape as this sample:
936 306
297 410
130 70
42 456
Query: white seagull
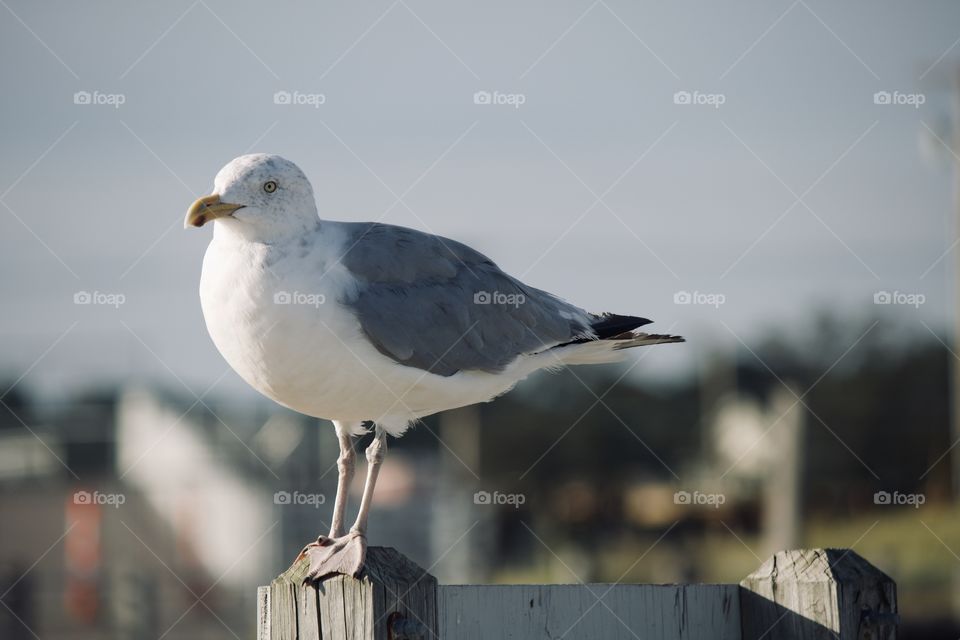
372 323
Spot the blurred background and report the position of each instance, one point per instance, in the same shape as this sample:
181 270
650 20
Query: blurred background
773 180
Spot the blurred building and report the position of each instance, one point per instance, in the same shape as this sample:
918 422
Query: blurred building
138 513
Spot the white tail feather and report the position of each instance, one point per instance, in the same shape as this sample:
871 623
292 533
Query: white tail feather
604 351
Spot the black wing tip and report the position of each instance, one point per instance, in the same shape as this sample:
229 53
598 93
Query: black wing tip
663 338
611 325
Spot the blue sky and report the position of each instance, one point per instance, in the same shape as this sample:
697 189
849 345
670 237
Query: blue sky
798 192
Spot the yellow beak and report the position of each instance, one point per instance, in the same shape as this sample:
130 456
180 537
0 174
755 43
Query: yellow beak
208 208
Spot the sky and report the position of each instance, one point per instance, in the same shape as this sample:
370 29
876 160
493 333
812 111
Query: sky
629 156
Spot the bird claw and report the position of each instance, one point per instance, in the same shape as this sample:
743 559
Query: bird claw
329 556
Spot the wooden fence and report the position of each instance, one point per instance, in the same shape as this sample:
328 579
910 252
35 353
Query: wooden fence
802 595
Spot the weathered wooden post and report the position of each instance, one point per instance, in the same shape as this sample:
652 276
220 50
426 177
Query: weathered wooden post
392 599
817 594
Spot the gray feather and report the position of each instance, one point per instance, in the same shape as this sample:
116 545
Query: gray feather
438 305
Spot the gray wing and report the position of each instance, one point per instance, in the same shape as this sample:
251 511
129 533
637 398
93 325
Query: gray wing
438 305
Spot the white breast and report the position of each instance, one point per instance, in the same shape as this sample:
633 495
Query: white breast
278 322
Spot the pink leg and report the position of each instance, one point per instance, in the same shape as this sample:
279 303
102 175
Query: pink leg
345 553
346 464
376 452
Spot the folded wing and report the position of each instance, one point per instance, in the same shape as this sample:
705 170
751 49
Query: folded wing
438 305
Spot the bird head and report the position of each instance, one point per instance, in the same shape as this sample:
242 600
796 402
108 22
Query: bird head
261 196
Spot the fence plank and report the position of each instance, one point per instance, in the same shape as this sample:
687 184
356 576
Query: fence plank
614 612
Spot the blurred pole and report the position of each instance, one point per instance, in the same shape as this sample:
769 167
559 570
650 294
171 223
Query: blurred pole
782 489
718 380
947 134
464 557
954 364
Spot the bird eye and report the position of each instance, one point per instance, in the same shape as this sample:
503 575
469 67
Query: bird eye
270 186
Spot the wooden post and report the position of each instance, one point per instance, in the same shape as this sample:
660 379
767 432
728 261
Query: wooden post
393 599
818 594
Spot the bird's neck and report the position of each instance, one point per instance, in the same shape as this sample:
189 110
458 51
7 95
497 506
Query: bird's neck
229 230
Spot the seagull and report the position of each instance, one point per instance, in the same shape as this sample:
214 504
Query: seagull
364 323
